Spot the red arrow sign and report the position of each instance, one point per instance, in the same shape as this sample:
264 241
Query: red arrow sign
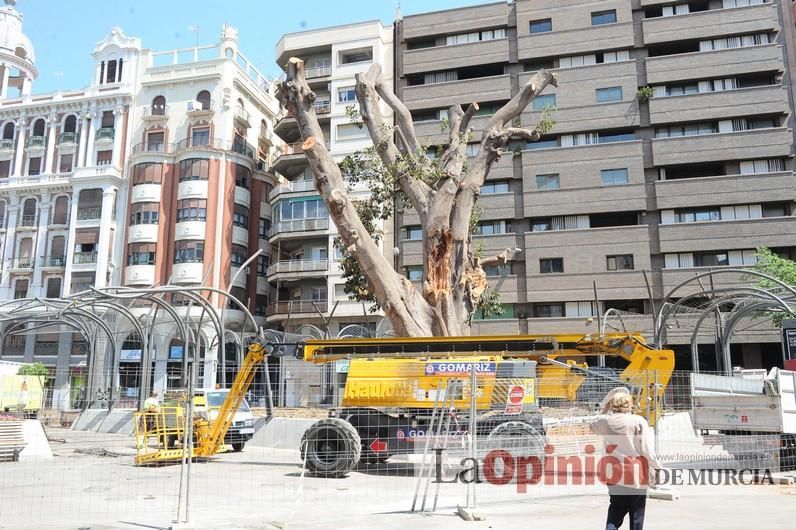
377 446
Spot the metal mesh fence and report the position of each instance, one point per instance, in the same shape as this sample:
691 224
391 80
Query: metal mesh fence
457 434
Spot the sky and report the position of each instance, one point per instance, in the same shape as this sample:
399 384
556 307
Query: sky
64 32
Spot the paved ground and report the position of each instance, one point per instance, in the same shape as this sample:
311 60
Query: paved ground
264 488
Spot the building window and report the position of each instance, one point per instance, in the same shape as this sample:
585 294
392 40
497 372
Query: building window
242 176
65 163
541 26
104 158
697 215
551 265
547 182
240 216
265 228
599 18
147 173
613 177
346 95
144 213
414 273
158 106
499 271
506 311
239 255
34 166
189 251
711 259
110 72
141 253
154 141
194 169
544 101
606 95
191 210
310 208
203 98
549 310
200 136
350 131
53 287
496 186
359 55
487 228
20 289
620 262
413 233
262 265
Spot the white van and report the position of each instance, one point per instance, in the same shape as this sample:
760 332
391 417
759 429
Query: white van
240 430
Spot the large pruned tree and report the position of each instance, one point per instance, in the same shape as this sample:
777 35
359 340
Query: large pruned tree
443 192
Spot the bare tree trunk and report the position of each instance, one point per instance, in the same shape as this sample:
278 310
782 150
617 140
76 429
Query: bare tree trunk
453 278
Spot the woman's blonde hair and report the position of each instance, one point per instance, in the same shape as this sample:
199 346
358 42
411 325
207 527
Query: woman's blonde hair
622 403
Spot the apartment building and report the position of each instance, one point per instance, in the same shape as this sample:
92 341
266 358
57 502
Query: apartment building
153 174
692 172
62 160
305 269
202 138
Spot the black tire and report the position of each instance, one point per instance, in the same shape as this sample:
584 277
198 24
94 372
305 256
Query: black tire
238 446
519 438
331 448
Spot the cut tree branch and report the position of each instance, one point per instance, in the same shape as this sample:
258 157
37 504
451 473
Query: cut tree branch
497 259
381 134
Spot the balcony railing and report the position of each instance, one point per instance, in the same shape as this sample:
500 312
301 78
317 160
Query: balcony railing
6 145
53 261
200 142
84 258
28 220
318 71
302 225
157 111
36 141
200 106
67 138
106 133
291 186
153 147
24 262
241 114
243 148
323 106
298 306
84 214
298 265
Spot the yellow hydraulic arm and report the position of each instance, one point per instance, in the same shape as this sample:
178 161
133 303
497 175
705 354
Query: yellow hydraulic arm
211 436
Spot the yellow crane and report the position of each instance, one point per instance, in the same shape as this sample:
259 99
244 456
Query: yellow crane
393 384
160 435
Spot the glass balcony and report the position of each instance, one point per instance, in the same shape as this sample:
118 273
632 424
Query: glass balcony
106 133
84 258
53 261
67 138
28 220
36 141
84 214
318 71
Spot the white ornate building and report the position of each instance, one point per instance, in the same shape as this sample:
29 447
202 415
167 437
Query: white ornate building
75 164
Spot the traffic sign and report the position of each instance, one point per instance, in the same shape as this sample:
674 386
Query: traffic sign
514 400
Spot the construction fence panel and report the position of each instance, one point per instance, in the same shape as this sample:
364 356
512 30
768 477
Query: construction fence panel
336 445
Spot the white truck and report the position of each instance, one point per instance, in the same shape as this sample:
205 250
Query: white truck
242 428
749 403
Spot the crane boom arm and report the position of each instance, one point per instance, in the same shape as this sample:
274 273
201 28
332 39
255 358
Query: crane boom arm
218 428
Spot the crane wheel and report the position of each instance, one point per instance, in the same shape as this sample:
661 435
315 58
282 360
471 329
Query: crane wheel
519 438
330 448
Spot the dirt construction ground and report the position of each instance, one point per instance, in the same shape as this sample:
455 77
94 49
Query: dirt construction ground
92 483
